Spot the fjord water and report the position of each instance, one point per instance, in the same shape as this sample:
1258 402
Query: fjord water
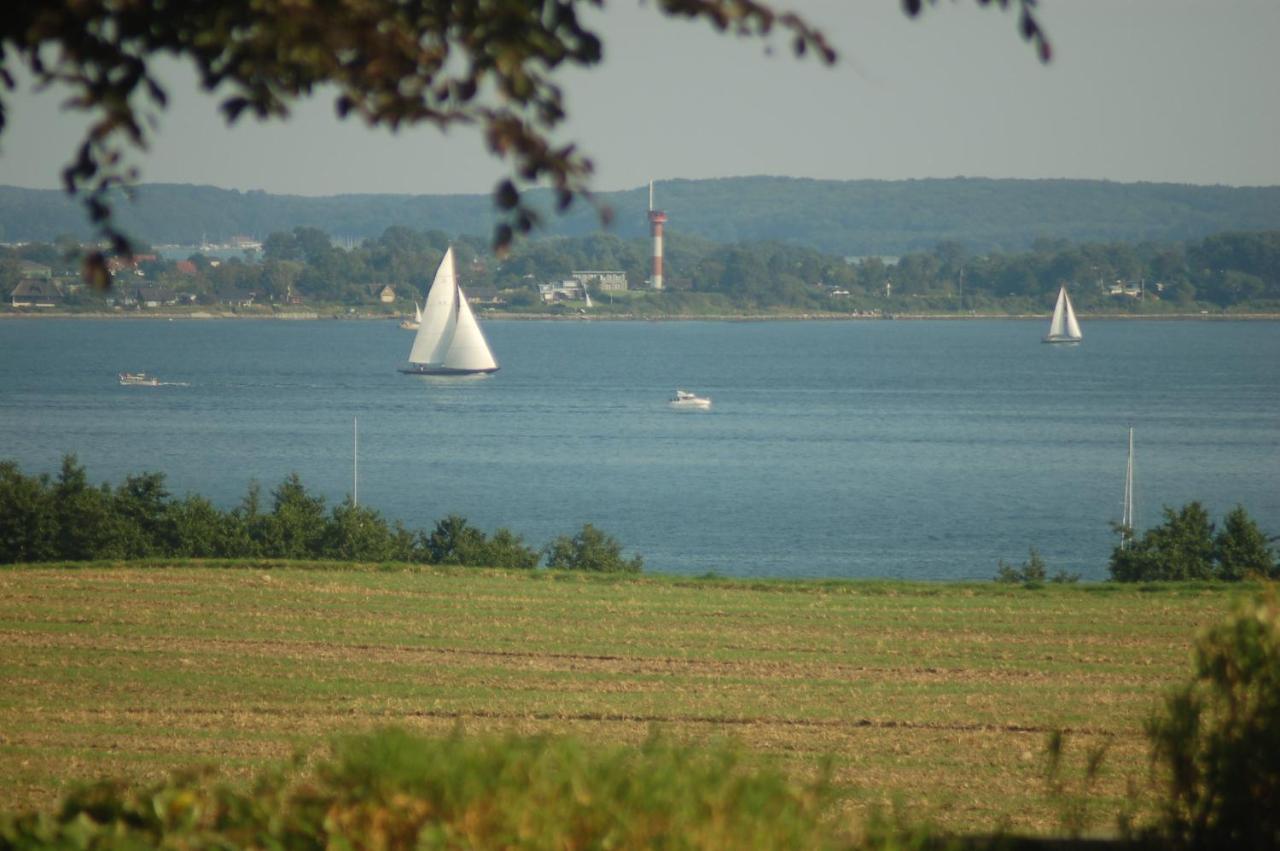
908 449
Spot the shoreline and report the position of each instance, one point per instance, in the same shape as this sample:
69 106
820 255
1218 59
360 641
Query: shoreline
306 316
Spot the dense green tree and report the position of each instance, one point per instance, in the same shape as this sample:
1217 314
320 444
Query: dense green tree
139 516
200 530
507 549
1240 549
1184 547
454 541
591 549
357 533
28 530
295 528
83 516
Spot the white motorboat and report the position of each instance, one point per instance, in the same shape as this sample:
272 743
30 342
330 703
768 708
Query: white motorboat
138 379
686 401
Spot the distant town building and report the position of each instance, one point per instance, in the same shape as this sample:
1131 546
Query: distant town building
570 290
116 265
36 292
384 293
607 281
1131 289
236 298
156 297
484 295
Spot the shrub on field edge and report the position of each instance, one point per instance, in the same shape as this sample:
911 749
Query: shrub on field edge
396 790
591 549
1216 744
1033 572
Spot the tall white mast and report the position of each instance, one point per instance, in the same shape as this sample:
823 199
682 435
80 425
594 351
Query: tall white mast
355 461
1127 519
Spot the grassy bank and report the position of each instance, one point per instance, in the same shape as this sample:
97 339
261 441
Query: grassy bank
942 695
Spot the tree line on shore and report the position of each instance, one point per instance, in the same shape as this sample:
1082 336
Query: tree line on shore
1186 547
65 518
1239 270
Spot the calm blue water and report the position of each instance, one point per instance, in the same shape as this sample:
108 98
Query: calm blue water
922 450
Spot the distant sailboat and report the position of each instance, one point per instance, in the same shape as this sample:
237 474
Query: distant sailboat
449 340
1063 328
416 322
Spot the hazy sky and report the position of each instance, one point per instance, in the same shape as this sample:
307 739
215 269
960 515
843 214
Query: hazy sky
1144 90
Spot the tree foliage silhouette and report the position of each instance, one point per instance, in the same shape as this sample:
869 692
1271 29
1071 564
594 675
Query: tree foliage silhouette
491 63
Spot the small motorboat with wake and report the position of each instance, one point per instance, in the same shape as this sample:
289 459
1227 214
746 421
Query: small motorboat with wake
686 401
138 379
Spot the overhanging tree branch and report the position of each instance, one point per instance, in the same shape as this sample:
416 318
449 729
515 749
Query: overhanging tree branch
488 63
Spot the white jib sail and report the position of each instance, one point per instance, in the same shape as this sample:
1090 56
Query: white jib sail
468 349
432 339
1058 325
1073 327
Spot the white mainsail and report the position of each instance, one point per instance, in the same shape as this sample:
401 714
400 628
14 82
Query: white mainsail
417 312
449 340
1063 328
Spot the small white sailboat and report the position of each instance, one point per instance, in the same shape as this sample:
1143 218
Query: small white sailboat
1063 328
449 340
416 322
686 401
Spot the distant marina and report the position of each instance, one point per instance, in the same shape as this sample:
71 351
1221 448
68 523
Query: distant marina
241 247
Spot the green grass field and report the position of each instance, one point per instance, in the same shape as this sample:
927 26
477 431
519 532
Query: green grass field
941 696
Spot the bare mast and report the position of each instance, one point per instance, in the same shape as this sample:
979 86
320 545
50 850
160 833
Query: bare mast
1127 520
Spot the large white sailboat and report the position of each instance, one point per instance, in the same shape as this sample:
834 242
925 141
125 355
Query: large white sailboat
1063 328
449 340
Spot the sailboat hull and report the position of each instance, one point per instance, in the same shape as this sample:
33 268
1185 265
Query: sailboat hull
1060 340
432 369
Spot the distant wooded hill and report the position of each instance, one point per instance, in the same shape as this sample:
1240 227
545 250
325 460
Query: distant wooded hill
862 217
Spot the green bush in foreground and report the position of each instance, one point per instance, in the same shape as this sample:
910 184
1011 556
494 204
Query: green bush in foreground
395 790
1217 741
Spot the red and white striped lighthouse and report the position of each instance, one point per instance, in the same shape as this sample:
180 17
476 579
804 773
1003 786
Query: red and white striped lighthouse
657 219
